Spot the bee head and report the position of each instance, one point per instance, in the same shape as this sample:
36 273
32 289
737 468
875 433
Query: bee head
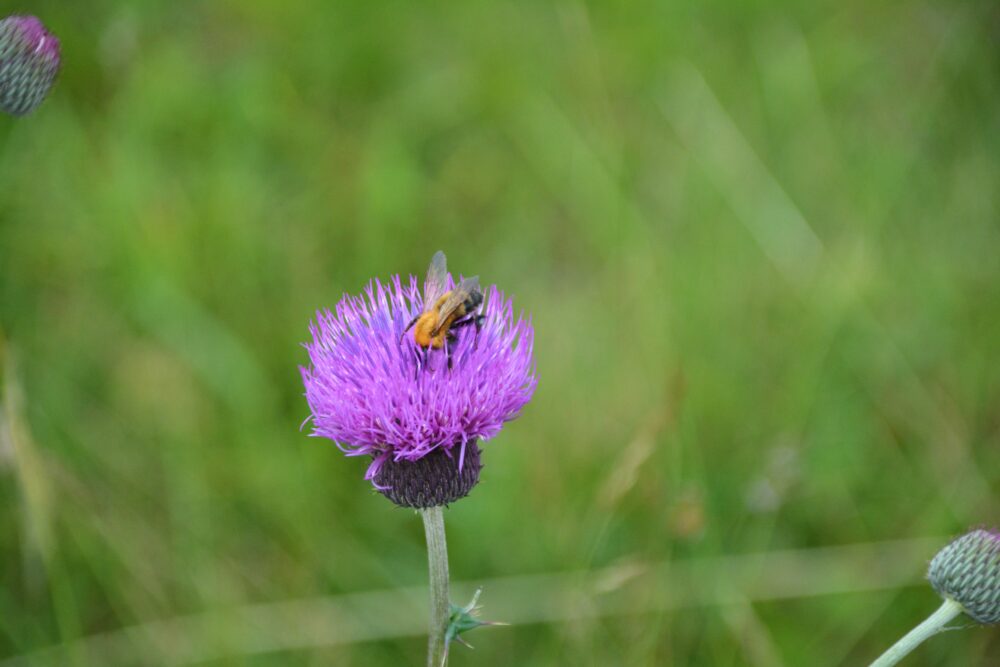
473 300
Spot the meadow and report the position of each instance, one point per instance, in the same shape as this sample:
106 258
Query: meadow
758 243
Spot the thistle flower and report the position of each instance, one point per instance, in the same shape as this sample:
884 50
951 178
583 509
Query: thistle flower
420 413
29 61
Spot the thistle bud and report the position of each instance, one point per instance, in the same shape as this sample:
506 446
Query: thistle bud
968 572
433 480
29 61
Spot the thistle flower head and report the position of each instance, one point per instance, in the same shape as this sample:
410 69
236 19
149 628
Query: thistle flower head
376 393
968 572
29 61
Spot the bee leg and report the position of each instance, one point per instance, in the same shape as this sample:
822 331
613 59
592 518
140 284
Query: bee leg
449 342
408 327
479 327
474 319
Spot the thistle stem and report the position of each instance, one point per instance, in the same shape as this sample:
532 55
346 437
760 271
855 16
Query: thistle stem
930 627
437 560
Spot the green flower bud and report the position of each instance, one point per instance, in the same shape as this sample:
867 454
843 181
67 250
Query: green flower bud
968 572
29 61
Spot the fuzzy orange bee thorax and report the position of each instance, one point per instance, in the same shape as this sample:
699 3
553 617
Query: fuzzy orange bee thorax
445 310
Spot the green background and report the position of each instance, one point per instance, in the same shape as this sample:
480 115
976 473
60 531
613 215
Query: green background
758 241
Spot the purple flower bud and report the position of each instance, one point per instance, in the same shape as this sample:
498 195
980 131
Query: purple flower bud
968 572
29 61
419 413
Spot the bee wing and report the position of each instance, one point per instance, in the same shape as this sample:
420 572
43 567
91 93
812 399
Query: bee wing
437 280
455 299
467 286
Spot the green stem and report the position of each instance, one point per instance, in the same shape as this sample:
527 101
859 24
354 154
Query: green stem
437 560
930 627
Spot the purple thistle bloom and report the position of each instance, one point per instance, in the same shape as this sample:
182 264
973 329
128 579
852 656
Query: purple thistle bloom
370 391
29 62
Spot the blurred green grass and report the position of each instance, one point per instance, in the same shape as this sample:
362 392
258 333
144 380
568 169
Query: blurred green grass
758 243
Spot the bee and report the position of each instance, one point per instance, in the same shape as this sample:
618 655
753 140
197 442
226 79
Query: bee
445 310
